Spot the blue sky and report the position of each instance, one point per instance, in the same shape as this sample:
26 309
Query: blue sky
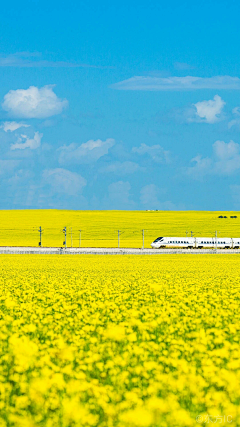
111 105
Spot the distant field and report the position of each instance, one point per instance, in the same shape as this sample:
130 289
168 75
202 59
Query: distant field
99 228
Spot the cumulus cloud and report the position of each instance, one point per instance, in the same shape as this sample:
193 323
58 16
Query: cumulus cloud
224 161
201 166
156 152
227 157
31 143
64 181
88 152
12 126
33 102
209 111
236 120
122 168
178 83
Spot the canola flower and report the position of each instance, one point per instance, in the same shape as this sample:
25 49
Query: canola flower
125 341
99 228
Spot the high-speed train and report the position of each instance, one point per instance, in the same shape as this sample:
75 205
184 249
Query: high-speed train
196 242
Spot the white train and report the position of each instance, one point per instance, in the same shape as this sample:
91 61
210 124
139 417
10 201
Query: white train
196 242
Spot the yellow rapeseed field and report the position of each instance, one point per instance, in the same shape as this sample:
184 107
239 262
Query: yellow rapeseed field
99 228
119 341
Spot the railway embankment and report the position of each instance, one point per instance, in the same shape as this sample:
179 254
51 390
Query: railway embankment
110 251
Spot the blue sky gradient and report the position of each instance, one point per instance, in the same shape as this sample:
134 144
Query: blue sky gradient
111 105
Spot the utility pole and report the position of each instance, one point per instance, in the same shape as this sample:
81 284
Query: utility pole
216 239
65 237
40 237
191 234
143 239
186 233
71 237
80 238
118 238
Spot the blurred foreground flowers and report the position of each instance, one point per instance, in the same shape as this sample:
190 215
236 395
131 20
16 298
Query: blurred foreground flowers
130 341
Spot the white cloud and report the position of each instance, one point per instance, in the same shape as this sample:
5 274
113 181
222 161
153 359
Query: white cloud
225 161
122 168
31 143
209 111
12 126
236 120
236 111
156 152
201 166
227 157
87 152
178 83
33 102
64 181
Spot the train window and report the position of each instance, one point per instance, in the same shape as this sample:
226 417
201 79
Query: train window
158 239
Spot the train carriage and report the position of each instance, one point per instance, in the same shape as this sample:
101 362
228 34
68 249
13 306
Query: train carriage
196 242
